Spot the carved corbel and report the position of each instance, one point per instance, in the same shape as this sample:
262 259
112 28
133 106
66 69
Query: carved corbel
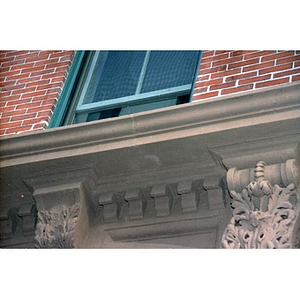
56 228
265 215
62 220
163 199
189 196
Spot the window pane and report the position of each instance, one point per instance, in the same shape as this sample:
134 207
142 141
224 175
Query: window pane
116 75
168 69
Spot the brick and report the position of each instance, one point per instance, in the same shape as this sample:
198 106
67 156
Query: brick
5 84
226 73
62 53
4 120
206 95
259 66
5 93
205 65
13 63
6 109
212 70
276 68
47 61
13 87
45 113
9 73
2 70
49 86
36 73
28 105
202 78
297 64
221 86
240 76
32 94
36 59
29 55
217 52
39 126
23 117
33 121
58 79
241 52
40 108
54 90
287 73
29 79
254 79
227 61
6 59
21 91
237 89
38 82
17 102
208 82
243 63
271 82
53 75
214 58
18 129
258 54
56 65
19 76
296 78
21 67
288 59
11 124
15 53
277 55
200 90
33 69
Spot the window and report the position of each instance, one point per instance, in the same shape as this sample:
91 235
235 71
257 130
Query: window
105 84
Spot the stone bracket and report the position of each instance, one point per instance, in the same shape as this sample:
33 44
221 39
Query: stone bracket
163 199
28 214
111 207
8 223
137 203
215 192
189 196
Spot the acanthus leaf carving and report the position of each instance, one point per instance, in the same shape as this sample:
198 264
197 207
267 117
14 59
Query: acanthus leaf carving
263 215
56 228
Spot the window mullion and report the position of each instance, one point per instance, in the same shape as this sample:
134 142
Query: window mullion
143 72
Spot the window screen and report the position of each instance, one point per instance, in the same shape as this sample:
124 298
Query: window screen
119 74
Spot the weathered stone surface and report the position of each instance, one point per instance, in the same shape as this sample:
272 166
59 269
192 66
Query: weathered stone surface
264 216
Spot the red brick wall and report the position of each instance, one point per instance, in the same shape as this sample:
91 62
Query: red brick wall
31 81
30 85
229 72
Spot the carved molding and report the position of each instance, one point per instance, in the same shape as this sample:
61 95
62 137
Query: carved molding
56 228
264 216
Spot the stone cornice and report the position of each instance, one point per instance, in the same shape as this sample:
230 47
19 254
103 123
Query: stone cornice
201 118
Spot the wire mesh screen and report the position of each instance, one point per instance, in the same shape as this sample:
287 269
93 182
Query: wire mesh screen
118 73
167 69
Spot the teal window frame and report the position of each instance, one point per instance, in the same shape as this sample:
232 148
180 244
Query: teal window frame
71 99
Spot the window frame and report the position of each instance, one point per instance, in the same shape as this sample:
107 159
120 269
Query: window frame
71 99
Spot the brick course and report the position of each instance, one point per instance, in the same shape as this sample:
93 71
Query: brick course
30 84
242 71
31 81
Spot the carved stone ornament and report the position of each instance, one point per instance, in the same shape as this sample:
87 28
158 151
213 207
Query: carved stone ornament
263 215
55 229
